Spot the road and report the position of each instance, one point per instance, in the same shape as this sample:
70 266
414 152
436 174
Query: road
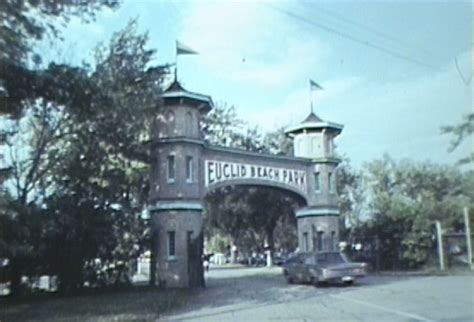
261 294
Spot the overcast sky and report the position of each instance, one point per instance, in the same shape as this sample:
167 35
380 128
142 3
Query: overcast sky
387 68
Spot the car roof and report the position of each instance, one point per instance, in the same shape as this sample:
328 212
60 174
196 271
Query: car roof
317 253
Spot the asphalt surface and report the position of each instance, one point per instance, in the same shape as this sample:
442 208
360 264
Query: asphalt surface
261 294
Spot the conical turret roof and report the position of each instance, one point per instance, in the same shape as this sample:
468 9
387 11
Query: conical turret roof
312 118
313 123
177 91
175 87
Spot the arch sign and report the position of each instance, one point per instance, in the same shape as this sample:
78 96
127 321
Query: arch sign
222 171
185 168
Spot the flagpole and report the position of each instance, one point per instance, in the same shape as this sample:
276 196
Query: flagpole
181 50
176 63
313 86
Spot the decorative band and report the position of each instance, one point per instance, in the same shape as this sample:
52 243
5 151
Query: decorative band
180 205
317 212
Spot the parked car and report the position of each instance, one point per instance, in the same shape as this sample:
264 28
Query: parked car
280 259
253 260
315 268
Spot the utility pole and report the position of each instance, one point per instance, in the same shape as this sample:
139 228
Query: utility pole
440 245
468 237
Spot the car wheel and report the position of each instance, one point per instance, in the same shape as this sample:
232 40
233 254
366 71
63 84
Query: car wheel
348 283
288 278
314 281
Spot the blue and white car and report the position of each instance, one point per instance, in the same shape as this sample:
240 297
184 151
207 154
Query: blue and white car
322 267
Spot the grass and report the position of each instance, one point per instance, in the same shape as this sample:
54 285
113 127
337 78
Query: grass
139 304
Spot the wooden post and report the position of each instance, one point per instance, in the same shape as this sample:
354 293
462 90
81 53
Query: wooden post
439 236
468 237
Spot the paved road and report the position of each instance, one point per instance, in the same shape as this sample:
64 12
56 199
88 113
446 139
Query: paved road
261 294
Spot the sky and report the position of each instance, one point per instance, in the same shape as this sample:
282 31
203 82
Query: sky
387 68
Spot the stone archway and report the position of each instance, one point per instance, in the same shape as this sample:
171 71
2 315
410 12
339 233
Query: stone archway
271 232
184 168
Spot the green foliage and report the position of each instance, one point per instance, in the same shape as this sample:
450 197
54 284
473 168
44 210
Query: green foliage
278 143
461 132
251 216
27 21
80 161
222 127
23 24
351 196
216 242
404 199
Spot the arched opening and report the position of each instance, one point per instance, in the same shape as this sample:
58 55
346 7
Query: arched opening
244 223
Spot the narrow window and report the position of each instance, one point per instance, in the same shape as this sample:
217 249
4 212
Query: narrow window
189 240
171 244
300 147
170 120
320 240
305 242
330 183
189 169
171 168
170 117
189 124
331 147
333 235
314 238
190 235
317 182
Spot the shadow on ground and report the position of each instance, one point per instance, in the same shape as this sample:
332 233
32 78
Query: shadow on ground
137 304
249 288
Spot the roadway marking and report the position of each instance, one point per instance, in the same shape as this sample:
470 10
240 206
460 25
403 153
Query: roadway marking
383 308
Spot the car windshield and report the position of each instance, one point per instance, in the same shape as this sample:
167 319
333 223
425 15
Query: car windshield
330 258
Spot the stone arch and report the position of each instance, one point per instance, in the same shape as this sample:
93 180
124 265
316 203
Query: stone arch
303 198
176 206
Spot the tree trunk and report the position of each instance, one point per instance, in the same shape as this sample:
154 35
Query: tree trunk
270 242
15 272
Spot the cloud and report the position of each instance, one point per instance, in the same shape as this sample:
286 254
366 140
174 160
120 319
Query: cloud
247 43
296 106
402 118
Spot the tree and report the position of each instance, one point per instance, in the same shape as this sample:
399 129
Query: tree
278 143
404 200
461 132
105 164
30 145
227 211
222 127
249 215
351 196
83 161
23 24
270 207
25 89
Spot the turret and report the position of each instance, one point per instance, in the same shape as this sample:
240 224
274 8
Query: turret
314 138
181 113
318 221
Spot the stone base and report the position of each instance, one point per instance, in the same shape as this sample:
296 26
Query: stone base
178 266
318 233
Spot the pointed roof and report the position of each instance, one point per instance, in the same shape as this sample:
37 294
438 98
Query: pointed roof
312 118
313 123
177 91
175 87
